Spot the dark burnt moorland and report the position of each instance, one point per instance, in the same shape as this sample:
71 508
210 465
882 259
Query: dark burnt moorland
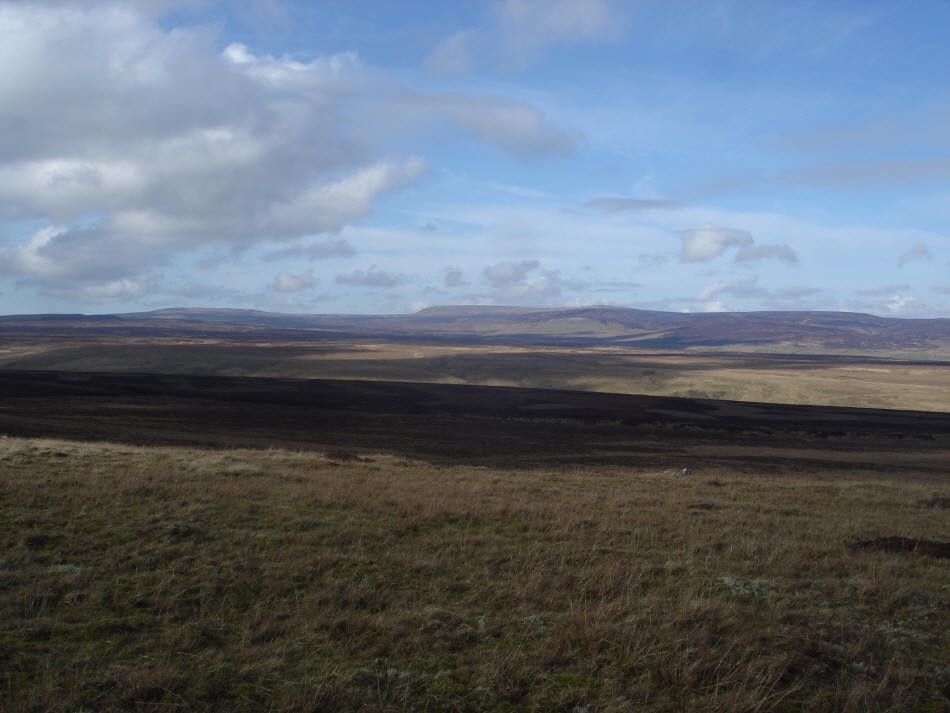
447 423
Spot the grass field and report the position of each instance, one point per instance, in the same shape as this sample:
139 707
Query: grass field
176 579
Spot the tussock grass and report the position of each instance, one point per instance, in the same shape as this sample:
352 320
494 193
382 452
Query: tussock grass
161 579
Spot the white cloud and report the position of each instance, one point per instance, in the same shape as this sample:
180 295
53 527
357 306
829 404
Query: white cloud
454 277
706 243
328 207
374 277
28 258
893 305
113 290
525 283
516 127
169 145
898 304
140 143
172 145
710 291
287 282
748 287
507 273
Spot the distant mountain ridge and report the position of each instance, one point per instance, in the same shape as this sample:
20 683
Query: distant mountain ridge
599 325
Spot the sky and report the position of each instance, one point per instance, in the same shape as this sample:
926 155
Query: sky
381 157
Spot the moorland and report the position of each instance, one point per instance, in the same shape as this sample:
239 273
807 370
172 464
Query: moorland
209 511
835 359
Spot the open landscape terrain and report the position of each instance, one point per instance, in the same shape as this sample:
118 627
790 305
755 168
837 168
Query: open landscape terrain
831 359
200 516
568 356
237 543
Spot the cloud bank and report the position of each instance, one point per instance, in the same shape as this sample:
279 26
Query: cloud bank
702 244
131 144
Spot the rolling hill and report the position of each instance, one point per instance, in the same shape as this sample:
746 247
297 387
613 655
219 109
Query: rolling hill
789 332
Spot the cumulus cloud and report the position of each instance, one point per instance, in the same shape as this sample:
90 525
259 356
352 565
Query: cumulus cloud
83 275
711 297
706 243
110 291
135 143
751 253
454 277
518 31
169 145
518 128
524 282
900 304
374 277
313 251
918 251
893 304
507 273
287 282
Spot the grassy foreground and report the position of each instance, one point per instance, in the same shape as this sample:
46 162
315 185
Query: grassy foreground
168 579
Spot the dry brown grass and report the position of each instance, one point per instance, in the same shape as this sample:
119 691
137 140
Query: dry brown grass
172 579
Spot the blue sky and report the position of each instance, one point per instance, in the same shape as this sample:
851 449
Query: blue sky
380 157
